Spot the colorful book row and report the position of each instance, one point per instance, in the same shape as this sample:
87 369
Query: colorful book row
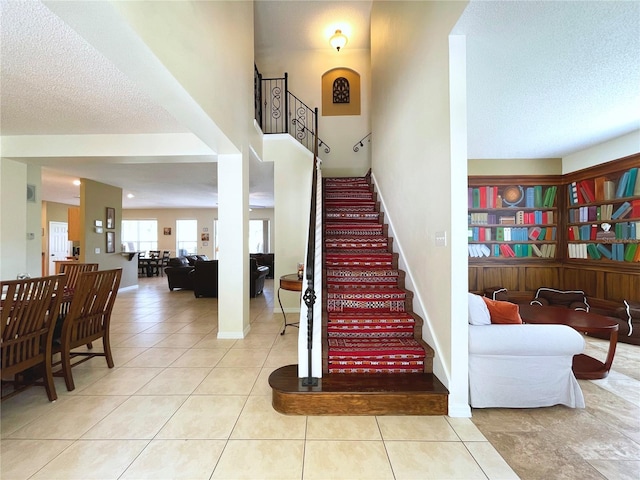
619 252
489 197
602 189
518 250
537 217
621 230
593 213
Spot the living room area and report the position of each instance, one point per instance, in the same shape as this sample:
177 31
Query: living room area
182 403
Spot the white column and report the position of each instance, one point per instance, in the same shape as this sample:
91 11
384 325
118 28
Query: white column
459 383
233 235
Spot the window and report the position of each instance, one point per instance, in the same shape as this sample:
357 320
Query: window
141 234
187 237
258 236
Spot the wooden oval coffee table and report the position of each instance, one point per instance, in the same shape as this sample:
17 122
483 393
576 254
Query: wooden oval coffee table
584 366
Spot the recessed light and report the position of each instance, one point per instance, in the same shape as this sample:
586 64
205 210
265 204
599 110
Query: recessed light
76 182
130 195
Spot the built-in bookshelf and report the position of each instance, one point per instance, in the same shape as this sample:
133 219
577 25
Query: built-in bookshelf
512 218
573 210
603 216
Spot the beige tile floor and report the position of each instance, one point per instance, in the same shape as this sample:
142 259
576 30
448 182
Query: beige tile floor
182 404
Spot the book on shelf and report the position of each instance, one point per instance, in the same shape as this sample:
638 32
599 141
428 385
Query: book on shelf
630 252
549 196
622 211
635 208
631 183
587 190
529 197
536 250
604 250
621 190
609 190
617 252
573 193
534 233
598 187
479 250
548 250
537 196
577 250
593 252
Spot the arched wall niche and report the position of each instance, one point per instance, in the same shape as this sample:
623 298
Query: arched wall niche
340 92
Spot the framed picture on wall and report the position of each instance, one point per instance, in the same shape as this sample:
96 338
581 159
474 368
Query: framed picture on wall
111 242
111 217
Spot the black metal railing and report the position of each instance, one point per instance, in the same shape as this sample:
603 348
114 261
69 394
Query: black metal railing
359 144
310 294
277 110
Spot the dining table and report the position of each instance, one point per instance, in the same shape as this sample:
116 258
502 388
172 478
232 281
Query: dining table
150 265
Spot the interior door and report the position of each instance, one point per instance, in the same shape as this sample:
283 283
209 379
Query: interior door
59 245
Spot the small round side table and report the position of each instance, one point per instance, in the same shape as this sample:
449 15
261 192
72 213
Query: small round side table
291 283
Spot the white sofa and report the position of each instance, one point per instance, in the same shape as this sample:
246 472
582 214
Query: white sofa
521 366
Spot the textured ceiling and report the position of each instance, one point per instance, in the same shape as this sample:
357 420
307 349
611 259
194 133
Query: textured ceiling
54 82
544 79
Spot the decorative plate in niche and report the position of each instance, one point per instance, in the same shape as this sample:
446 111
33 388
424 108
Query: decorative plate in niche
512 195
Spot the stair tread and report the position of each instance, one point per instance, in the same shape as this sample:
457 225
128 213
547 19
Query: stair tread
354 317
389 348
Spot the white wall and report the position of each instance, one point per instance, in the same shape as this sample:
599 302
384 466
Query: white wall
292 184
192 40
411 160
305 69
604 152
13 219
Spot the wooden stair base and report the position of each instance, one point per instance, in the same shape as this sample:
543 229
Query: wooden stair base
359 394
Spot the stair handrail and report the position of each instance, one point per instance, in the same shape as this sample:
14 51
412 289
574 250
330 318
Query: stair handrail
309 296
273 113
360 143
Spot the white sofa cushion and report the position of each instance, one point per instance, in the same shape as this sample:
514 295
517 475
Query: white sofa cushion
478 311
526 339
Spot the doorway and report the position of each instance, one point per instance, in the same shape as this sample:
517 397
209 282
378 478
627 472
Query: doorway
59 245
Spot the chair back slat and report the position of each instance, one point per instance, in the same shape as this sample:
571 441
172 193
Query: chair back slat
73 271
90 311
29 309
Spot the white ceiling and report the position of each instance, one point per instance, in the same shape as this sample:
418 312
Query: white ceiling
544 79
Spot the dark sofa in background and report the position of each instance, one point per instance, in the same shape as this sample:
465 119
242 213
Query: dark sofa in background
257 275
198 273
204 277
265 260
178 271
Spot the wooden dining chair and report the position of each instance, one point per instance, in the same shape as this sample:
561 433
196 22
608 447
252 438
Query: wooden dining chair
166 256
72 271
88 319
28 311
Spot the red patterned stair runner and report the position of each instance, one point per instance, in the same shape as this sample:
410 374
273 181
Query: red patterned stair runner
370 325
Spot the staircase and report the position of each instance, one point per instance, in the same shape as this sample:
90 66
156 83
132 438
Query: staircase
369 321
374 359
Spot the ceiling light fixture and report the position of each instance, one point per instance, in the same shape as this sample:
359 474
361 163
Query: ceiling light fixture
130 195
338 40
76 182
